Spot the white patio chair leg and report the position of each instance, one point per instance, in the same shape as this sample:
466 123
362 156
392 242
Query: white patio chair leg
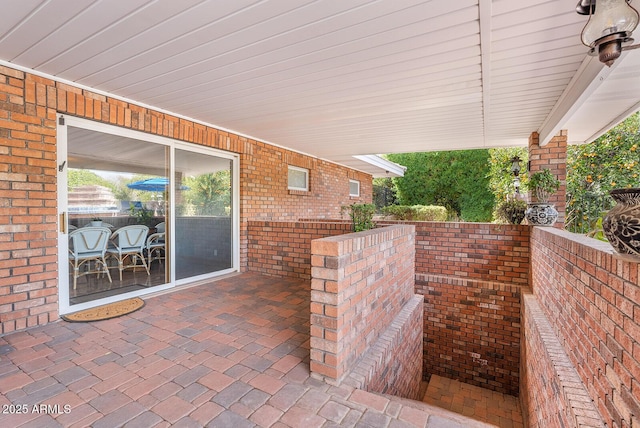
144 263
106 269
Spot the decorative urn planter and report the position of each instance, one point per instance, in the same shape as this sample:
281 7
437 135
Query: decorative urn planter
541 214
95 223
621 225
542 184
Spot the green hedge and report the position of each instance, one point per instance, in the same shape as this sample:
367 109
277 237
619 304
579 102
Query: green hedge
416 212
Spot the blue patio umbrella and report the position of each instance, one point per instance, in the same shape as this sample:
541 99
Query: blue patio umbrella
156 184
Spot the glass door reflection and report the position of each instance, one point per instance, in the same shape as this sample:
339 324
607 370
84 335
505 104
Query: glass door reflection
203 214
119 184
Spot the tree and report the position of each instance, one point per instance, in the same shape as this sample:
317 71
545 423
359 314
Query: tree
83 177
209 194
612 161
500 174
457 180
384 193
121 191
501 181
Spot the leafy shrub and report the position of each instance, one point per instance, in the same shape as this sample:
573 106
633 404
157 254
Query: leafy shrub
594 169
543 184
361 215
142 215
416 212
430 213
457 180
511 211
399 212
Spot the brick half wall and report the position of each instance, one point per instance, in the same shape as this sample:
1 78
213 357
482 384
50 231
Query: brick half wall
489 252
482 265
552 393
283 248
591 298
361 284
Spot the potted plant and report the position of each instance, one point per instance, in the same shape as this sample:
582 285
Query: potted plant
143 216
542 185
621 225
96 222
512 210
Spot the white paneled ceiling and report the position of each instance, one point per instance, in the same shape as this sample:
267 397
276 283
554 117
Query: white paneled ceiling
334 78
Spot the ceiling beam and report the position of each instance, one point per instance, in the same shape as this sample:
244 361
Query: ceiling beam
391 169
615 121
590 75
484 12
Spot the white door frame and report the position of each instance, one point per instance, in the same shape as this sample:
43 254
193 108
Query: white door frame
63 121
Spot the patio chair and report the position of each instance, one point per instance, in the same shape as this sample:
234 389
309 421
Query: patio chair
155 247
86 245
128 244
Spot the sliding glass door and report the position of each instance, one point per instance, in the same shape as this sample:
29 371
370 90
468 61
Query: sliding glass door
203 214
107 178
167 209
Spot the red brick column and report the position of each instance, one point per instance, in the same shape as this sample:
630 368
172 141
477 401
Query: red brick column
552 156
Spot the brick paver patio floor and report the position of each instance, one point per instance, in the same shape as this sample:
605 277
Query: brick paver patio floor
482 404
230 353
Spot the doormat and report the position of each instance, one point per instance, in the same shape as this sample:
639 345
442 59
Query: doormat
105 312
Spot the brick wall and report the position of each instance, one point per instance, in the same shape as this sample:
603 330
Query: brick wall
471 275
552 156
393 365
484 251
591 298
284 248
489 252
471 331
264 193
471 325
551 392
28 215
28 211
360 285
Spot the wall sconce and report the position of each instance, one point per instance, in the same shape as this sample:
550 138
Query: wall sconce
611 23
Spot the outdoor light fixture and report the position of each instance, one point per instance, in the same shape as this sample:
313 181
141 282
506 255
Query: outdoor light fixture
611 23
515 166
516 184
515 170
